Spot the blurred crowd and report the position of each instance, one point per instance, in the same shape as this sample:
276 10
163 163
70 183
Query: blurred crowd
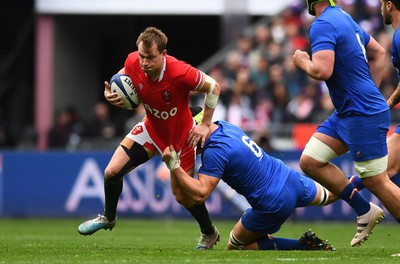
265 94
261 90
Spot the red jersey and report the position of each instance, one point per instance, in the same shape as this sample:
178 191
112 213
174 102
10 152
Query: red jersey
166 100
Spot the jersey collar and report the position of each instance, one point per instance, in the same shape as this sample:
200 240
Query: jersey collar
162 70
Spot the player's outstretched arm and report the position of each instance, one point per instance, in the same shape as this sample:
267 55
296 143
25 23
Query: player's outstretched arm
320 67
394 98
197 189
212 91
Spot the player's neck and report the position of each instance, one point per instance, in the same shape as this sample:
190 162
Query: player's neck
158 75
396 20
154 76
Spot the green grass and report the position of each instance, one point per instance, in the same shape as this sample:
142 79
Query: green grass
172 241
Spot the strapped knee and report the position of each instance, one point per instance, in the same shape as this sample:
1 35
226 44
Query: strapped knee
235 243
319 151
371 168
324 196
137 156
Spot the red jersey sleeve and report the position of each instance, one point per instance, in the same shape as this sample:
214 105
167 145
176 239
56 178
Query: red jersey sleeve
186 75
132 63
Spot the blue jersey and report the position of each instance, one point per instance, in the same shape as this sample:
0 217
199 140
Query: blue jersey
229 154
396 51
351 87
396 60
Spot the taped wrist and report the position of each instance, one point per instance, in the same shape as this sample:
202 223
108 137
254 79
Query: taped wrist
174 162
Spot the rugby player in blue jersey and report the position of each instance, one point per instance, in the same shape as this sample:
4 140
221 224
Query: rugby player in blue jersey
351 62
272 189
391 16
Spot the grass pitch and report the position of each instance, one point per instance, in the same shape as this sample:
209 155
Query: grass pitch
172 241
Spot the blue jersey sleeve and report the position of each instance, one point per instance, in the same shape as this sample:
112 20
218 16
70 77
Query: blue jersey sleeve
322 36
366 38
214 161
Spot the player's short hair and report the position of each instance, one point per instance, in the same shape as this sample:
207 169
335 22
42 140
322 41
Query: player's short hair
153 35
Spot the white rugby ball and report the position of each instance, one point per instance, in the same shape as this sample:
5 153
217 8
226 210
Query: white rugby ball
122 85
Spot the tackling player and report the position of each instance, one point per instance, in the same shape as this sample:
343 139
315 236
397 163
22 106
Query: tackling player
351 63
163 84
272 189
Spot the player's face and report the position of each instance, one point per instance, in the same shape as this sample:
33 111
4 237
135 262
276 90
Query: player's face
387 17
151 60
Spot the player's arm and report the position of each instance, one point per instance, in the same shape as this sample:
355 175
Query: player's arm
321 65
198 189
394 98
376 60
211 89
113 98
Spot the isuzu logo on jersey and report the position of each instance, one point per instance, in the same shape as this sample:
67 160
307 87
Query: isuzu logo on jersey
161 114
166 96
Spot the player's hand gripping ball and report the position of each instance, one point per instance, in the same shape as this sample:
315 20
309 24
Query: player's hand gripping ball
122 85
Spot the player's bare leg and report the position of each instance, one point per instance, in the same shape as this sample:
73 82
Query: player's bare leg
315 162
209 235
126 157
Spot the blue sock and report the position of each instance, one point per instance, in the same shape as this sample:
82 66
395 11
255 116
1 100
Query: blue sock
396 179
278 243
356 181
354 198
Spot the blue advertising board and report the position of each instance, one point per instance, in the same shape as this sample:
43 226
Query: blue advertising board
64 184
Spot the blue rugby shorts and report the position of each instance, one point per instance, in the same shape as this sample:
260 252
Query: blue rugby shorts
365 136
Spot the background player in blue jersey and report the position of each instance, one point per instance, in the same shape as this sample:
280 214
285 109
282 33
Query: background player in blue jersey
272 189
391 16
351 63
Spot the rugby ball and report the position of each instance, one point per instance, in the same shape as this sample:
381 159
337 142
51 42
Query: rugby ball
122 85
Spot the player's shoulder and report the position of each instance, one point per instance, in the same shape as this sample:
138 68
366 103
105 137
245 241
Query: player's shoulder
396 36
176 67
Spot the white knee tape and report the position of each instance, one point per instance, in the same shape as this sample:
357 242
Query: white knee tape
324 195
318 150
236 244
371 168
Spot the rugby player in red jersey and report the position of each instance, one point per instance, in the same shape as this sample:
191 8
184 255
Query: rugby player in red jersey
163 84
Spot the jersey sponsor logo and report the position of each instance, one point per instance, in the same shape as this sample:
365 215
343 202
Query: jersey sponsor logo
166 96
161 114
137 130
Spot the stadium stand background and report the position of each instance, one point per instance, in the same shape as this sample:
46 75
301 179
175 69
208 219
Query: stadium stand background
250 55
52 110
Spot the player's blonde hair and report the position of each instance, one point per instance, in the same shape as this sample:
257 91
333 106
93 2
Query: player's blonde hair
153 35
